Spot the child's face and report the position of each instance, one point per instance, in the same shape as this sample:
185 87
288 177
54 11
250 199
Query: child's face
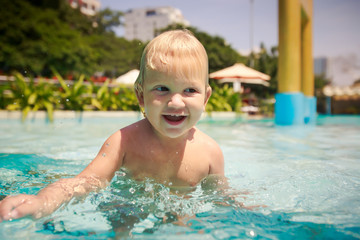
173 105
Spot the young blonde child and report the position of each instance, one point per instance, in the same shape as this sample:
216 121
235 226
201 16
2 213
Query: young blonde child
172 90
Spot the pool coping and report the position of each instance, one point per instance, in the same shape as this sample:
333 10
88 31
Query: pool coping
4 114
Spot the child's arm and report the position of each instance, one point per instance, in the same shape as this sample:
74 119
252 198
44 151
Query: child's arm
217 161
48 199
96 175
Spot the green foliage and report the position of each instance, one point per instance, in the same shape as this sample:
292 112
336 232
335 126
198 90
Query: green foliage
37 36
266 107
106 19
321 81
30 96
266 62
126 98
34 39
75 96
220 54
5 95
115 98
223 99
115 56
104 98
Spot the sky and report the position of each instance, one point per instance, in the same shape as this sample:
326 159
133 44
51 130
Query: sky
336 29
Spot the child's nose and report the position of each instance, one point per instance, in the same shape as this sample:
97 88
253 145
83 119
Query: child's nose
176 100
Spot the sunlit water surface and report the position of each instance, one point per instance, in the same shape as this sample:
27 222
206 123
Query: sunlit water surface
305 182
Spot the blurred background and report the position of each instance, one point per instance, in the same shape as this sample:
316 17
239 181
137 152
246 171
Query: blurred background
49 47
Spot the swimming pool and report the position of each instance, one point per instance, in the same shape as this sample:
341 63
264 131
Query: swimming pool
307 180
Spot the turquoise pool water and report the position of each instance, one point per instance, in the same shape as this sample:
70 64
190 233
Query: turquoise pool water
307 180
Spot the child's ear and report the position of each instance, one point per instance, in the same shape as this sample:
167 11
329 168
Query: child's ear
140 97
208 94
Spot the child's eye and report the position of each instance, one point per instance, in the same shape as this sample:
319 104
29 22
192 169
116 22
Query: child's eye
190 90
161 89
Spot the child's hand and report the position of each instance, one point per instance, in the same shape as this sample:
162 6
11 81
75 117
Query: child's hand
19 206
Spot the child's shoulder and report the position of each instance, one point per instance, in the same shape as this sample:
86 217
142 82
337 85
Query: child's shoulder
135 131
204 138
208 143
134 127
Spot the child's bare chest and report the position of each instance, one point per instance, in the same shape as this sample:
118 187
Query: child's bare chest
176 168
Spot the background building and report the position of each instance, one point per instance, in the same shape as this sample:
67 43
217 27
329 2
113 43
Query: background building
341 70
320 66
344 70
141 23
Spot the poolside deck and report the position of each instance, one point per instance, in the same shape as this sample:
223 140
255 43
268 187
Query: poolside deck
113 114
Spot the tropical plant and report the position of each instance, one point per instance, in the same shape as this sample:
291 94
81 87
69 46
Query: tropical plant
75 96
5 94
102 101
31 96
119 97
223 99
126 98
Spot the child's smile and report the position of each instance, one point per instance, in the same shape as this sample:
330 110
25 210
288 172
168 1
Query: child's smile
174 119
173 105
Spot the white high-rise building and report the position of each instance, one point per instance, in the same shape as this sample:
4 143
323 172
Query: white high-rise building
141 23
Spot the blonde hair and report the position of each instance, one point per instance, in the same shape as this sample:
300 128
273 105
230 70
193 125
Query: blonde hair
175 52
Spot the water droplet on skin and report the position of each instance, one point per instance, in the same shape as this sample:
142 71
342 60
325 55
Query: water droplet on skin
176 152
104 154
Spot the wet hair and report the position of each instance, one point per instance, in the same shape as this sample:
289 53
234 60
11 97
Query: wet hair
176 53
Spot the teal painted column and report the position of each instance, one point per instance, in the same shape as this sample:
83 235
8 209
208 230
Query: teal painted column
289 108
289 103
295 109
310 112
295 101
